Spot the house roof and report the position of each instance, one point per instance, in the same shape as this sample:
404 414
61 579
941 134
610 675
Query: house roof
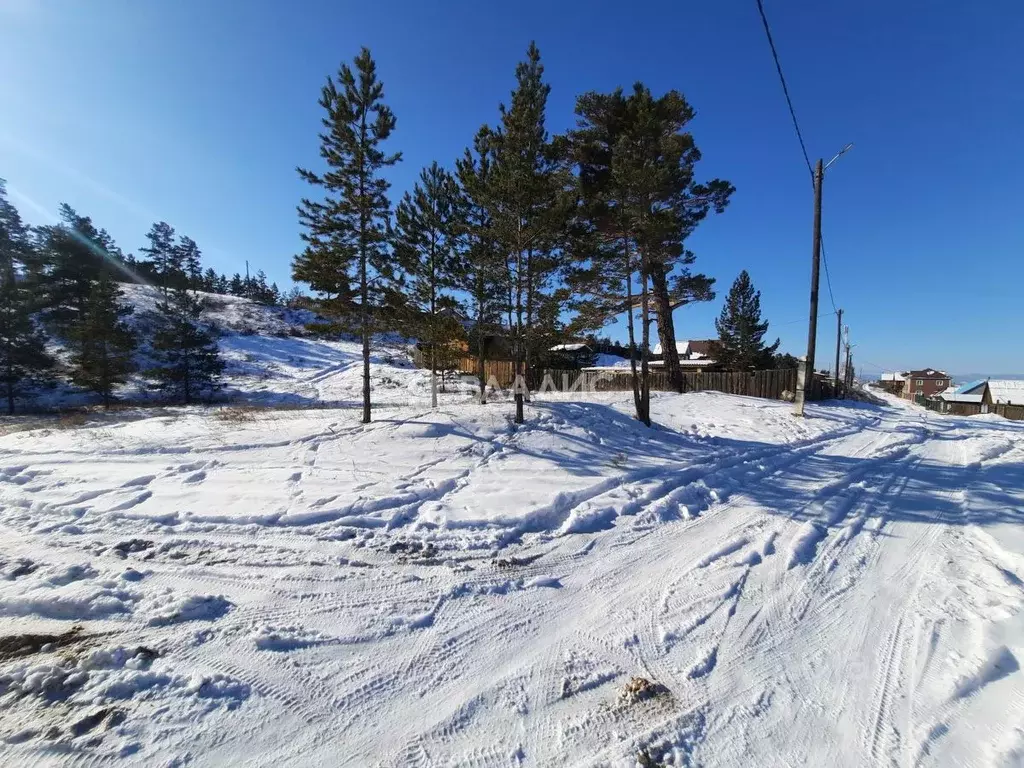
894 377
959 397
927 373
964 389
693 363
701 347
578 347
1007 391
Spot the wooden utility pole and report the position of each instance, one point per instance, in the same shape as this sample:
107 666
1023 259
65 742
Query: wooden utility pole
839 341
812 328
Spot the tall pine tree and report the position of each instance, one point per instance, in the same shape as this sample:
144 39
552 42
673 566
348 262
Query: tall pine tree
347 231
640 203
188 362
189 259
741 332
23 358
530 205
104 343
73 255
164 256
482 276
607 235
426 239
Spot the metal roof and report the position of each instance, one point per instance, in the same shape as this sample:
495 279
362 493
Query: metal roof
965 388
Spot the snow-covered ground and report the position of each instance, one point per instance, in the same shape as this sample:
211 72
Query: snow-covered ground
441 588
271 358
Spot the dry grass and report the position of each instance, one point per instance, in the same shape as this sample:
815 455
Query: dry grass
238 414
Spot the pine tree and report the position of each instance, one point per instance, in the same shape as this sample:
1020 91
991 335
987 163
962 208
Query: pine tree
347 231
325 269
529 207
72 259
188 360
189 260
164 256
237 286
104 343
606 237
223 285
209 280
426 252
640 204
740 330
483 268
23 358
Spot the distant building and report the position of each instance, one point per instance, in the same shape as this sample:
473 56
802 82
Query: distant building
894 383
968 400
1007 391
694 355
924 384
572 355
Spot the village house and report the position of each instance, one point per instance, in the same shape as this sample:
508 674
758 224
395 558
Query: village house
924 384
695 355
893 383
967 400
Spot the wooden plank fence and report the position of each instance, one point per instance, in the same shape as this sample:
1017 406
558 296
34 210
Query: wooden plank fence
766 384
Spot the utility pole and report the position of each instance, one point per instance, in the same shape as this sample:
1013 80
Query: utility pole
812 328
247 279
803 385
849 362
839 340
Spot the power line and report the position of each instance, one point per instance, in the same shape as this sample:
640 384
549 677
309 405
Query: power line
804 319
785 88
799 135
828 278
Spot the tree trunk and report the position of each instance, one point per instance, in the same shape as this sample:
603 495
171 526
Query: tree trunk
528 336
433 378
480 366
666 327
365 329
632 334
645 382
517 383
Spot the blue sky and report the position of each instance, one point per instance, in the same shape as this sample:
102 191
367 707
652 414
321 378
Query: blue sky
197 113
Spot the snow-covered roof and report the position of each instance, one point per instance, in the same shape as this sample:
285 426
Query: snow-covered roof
568 347
692 363
1007 391
959 397
893 377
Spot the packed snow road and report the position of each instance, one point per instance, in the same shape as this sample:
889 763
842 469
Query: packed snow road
442 588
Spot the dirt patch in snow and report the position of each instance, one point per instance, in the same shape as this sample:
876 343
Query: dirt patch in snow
16 646
641 689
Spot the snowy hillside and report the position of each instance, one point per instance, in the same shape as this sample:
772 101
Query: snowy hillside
734 587
271 357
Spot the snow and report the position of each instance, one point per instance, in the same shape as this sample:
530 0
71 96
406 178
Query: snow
576 347
1007 391
445 588
271 358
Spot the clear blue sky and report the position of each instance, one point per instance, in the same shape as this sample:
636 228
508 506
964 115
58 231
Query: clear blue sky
197 113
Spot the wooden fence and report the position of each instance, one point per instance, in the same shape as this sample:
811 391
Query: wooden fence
1006 410
767 384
